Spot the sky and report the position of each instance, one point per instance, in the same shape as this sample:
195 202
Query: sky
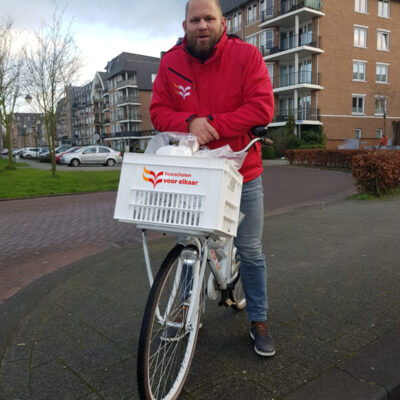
105 28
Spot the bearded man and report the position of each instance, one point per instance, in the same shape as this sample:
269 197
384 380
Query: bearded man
217 87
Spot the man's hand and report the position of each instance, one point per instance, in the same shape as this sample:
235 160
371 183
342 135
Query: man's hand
201 128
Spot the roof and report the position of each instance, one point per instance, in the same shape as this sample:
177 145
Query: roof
144 66
229 5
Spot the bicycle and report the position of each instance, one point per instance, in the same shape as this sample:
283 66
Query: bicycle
178 293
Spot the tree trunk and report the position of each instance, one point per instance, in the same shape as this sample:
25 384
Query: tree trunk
9 144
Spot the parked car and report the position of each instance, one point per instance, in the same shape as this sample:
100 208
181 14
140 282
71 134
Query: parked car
44 155
71 150
31 152
4 152
17 152
92 155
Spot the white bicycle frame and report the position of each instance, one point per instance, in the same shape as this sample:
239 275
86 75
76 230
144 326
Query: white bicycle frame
218 253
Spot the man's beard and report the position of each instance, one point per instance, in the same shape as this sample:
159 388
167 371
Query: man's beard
201 52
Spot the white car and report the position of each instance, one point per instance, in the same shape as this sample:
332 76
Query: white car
31 152
92 155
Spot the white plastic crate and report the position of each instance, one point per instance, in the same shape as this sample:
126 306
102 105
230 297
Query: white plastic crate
187 195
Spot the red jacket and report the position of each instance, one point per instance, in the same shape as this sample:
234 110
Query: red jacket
232 88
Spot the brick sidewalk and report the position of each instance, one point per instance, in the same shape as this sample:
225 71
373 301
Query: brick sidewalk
40 235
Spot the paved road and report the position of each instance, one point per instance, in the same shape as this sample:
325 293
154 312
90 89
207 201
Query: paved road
334 302
40 235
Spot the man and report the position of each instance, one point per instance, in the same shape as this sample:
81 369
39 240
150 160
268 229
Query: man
217 88
384 141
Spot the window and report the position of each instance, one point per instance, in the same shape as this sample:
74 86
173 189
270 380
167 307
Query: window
266 40
252 40
379 133
153 77
359 70
360 36
251 14
266 9
237 22
383 41
360 6
380 105
357 133
382 73
228 25
271 71
358 104
384 8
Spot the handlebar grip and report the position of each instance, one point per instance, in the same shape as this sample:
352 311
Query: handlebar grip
259 131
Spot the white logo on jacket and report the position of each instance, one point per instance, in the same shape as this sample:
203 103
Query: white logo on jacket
182 91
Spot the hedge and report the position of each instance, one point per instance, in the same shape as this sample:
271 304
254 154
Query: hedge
377 172
323 158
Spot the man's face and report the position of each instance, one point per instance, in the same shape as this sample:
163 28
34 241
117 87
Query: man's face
204 27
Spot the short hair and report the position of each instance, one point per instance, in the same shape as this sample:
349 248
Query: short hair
217 3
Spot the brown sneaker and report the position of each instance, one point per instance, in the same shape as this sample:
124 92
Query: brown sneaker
264 345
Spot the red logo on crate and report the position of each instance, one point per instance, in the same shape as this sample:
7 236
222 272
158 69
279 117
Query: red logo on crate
153 178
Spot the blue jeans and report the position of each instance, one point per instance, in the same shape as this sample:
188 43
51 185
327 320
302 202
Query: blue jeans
253 269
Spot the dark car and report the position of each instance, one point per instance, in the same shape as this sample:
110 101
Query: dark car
44 156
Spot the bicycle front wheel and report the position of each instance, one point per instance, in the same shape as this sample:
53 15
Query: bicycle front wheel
167 341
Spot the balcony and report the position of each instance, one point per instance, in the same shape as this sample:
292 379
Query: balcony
127 134
126 83
283 49
301 115
305 79
128 100
284 14
130 117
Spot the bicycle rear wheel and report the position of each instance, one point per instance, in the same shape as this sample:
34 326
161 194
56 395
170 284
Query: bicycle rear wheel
239 300
166 346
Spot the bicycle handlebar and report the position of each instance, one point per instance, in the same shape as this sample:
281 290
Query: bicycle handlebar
260 132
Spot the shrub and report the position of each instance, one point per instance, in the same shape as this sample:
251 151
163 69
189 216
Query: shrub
280 137
312 146
268 152
377 172
312 137
293 142
323 158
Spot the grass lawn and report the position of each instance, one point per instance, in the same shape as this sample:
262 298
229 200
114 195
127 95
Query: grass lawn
27 182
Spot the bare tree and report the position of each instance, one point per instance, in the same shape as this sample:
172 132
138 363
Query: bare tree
11 64
384 101
53 62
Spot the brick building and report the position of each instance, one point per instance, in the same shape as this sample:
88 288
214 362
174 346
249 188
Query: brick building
334 63
27 130
113 108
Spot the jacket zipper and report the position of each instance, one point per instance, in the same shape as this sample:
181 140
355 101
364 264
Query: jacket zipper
183 77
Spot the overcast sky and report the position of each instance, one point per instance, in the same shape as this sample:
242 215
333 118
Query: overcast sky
105 28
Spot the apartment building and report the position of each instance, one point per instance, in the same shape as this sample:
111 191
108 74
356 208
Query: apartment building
334 64
27 130
113 108
126 99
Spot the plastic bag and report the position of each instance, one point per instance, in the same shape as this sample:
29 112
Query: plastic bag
184 144
173 143
222 152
